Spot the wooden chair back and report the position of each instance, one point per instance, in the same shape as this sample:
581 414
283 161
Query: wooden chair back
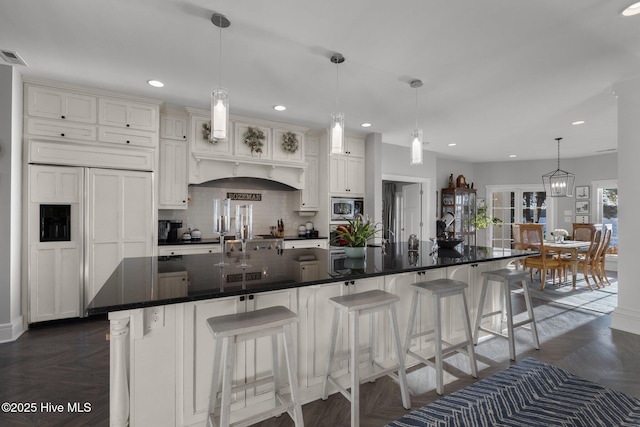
531 236
604 244
595 246
583 232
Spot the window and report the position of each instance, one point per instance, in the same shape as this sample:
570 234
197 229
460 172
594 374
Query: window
528 204
608 211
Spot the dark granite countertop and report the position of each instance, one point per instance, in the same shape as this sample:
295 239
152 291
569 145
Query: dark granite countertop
216 241
134 283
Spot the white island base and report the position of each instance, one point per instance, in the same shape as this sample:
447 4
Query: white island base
162 357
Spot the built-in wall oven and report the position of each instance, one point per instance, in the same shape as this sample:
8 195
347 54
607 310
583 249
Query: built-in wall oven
343 208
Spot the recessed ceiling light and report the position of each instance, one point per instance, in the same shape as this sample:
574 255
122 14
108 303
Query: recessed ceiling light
453 144
366 125
155 83
512 155
279 107
634 9
578 122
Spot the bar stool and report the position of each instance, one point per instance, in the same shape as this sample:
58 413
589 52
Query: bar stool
231 329
506 277
439 289
369 302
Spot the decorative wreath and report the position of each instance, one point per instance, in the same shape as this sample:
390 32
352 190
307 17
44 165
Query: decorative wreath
289 142
206 132
254 138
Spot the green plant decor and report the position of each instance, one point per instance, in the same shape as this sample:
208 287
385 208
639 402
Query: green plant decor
482 220
356 233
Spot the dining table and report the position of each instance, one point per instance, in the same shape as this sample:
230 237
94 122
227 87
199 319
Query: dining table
571 247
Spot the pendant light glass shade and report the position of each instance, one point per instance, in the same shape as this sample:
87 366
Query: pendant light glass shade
416 147
219 114
337 133
558 183
336 136
219 97
416 135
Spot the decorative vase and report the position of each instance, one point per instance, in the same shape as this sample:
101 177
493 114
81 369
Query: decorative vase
357 252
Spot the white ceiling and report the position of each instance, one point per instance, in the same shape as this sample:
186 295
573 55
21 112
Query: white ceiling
500 76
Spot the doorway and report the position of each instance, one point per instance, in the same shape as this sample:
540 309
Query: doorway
405 209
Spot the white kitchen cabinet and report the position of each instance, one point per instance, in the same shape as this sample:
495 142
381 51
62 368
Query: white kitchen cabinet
119 222
346 175
400 284
173 177
53 103
189 249
280 154
240 149
305 244
200 144
315 327
309 197
172 285
127 114
173 126
126 136
61 129
54 267
253 357
353 146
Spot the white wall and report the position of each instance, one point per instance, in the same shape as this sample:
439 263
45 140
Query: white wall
10 203
626 316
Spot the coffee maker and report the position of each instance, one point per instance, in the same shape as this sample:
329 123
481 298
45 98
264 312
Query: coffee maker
168 230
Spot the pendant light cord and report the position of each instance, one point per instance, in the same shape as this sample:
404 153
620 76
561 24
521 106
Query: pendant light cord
337 84
416 108
220 56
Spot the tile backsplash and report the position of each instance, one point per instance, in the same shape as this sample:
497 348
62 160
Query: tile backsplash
274 205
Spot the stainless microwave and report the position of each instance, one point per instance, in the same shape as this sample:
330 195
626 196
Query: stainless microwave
343 208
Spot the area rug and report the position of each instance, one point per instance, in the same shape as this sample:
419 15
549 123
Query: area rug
603 300
528 394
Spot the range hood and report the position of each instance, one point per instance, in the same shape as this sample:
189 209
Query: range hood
206 168
247 183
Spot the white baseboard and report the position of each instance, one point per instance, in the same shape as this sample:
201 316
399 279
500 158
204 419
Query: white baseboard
11 331
626 320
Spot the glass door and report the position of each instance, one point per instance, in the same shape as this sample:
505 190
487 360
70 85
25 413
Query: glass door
515 206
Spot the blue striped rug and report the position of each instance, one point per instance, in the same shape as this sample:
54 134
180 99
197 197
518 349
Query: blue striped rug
529 394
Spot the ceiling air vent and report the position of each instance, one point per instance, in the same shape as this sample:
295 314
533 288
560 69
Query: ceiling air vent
12 57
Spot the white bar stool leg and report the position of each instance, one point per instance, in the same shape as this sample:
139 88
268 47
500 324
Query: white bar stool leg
292 370
332 349
227 379
483 296
355 371
215 379
528 303
507 304
467 331
402 374
438 337
274 367
412 321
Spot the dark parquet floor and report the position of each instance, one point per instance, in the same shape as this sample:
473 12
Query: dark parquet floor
67 362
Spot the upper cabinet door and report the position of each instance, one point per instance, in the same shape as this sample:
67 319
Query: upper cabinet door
354 146
60 104
127 114
173 127
261 148
199 138
288 146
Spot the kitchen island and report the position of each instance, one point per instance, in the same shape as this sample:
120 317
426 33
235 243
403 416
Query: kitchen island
161 350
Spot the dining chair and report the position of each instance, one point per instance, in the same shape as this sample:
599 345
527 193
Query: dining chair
601 256
531 237
583 232
586 260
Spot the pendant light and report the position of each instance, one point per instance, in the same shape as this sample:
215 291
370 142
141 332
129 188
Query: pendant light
558 183
337 119
416 136
219 97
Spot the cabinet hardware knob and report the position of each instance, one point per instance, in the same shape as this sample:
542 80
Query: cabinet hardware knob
353 282
62 134
127 124
184 136
251 296
62 117
346 283
127 142
242 298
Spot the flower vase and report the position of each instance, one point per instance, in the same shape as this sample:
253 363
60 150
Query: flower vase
355 252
